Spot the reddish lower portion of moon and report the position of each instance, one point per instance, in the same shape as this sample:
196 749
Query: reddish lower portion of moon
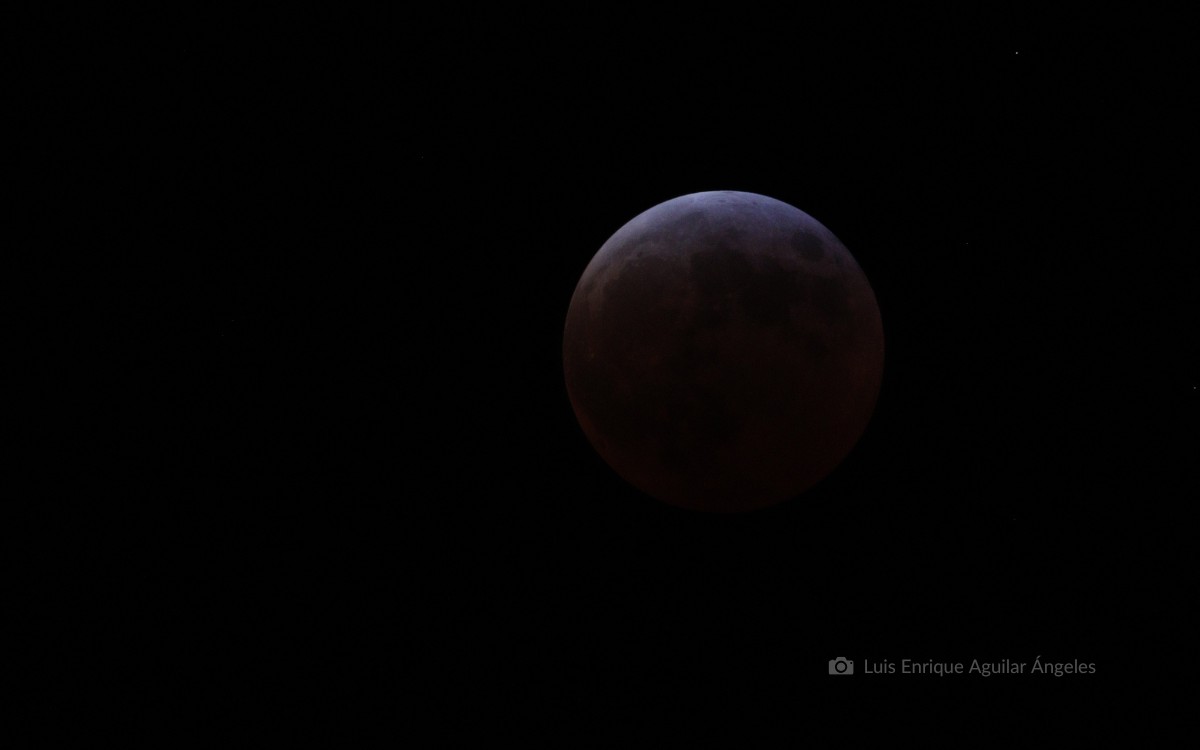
723 351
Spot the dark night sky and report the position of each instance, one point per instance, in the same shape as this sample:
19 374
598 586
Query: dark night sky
348 484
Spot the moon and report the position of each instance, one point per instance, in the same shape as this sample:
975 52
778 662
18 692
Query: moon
723 351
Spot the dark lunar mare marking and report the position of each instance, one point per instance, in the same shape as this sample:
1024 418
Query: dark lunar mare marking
808 245
829 295
769 297
721 269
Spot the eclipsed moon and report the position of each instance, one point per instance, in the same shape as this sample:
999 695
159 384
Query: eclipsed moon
723 351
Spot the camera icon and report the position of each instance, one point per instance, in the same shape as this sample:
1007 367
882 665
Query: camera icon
841 665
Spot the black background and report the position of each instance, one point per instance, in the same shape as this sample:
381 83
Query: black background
337 479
